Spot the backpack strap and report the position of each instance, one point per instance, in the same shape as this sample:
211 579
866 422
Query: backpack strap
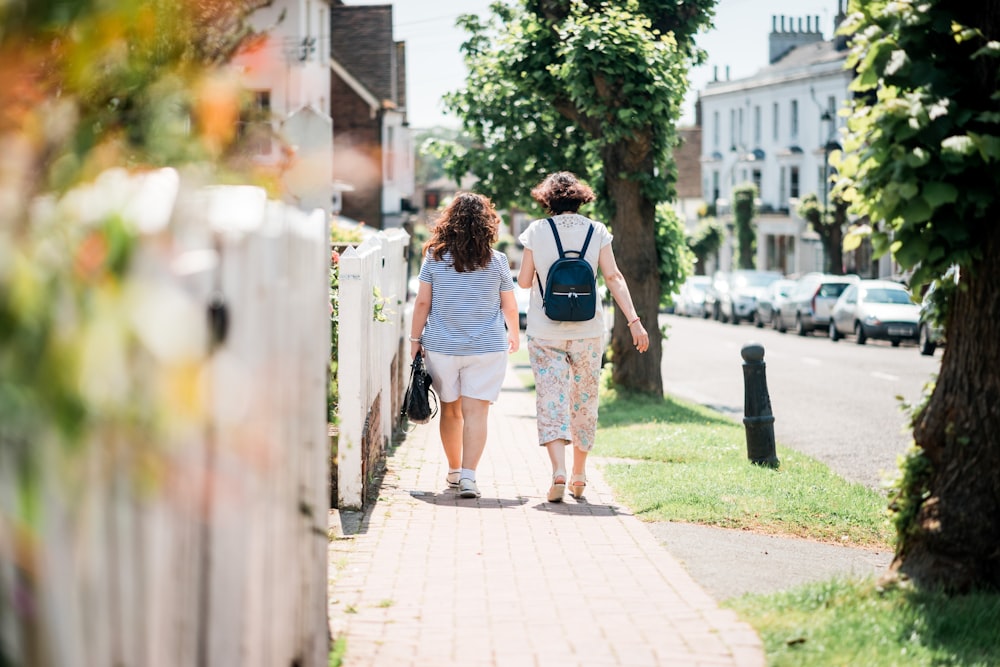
583 251
555 233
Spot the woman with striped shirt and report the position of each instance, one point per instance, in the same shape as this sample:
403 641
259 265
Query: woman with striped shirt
465 299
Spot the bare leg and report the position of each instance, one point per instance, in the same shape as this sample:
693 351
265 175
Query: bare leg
578 481
451 427
557 455
475 414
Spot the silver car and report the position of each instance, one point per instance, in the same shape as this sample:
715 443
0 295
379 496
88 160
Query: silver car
771 302
746 286
875 309
809 305
690 302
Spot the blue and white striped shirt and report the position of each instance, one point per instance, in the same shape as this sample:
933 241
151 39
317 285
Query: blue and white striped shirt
465 316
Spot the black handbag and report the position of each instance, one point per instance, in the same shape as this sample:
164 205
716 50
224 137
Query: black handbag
419 394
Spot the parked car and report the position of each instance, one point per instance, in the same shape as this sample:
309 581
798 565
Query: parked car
876 309
690 302
713 295
931 328
739 302
771 301
809 305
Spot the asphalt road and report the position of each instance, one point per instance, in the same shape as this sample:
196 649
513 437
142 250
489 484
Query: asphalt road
838 402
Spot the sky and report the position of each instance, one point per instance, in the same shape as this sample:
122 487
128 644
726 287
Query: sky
434 63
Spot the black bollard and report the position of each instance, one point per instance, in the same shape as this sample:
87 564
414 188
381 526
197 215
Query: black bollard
757 417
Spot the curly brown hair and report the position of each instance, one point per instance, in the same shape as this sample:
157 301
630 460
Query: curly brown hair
468 228
562 192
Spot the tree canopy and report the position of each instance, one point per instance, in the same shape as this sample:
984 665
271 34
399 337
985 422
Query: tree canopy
594 88
921 162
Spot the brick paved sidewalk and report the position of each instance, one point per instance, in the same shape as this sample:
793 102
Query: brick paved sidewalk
430 579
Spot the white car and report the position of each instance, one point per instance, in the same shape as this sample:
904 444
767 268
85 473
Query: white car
875 309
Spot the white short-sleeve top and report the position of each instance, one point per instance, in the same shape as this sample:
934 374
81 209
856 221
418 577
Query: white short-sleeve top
572 233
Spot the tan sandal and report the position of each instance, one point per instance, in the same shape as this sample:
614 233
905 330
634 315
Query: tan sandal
577 483
557 489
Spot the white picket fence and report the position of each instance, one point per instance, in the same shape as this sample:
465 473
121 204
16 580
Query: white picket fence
372 365
205 542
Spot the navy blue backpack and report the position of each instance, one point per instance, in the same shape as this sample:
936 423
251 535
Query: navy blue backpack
570 293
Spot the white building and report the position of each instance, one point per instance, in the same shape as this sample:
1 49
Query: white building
774 129
289 77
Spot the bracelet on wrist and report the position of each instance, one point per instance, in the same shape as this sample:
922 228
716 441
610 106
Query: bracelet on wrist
632 322
414 340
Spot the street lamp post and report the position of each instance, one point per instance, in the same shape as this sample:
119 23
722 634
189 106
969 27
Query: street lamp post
826 117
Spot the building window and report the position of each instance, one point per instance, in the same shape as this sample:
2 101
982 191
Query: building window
775 121
793 119
715 186
732 129
255 124
742 137
793 182
756 125
782 189
756 180
715 129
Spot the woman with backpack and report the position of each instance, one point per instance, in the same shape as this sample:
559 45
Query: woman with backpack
465 299
566 324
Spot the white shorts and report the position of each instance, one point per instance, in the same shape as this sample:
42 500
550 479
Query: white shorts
478 376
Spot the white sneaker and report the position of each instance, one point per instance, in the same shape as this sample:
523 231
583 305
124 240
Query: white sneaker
452 478
467 488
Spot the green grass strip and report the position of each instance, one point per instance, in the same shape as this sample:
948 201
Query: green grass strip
843 622
684 462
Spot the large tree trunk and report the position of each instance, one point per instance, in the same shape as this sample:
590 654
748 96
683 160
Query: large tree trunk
954 540
634 219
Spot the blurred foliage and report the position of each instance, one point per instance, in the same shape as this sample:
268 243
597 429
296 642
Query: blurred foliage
676 258
430 163
706 240
93 94
828 222
744 214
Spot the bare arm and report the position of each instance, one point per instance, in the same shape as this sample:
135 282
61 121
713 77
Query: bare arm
421 309
615 281
508 304
527 271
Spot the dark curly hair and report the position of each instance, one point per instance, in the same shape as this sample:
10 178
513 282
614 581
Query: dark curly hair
562 192
468 228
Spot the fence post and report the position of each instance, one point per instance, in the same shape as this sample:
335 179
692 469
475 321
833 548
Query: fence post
350 356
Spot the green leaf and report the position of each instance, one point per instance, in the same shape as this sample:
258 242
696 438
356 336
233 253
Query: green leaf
958 146
989 146
916 211
911 253
937 194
